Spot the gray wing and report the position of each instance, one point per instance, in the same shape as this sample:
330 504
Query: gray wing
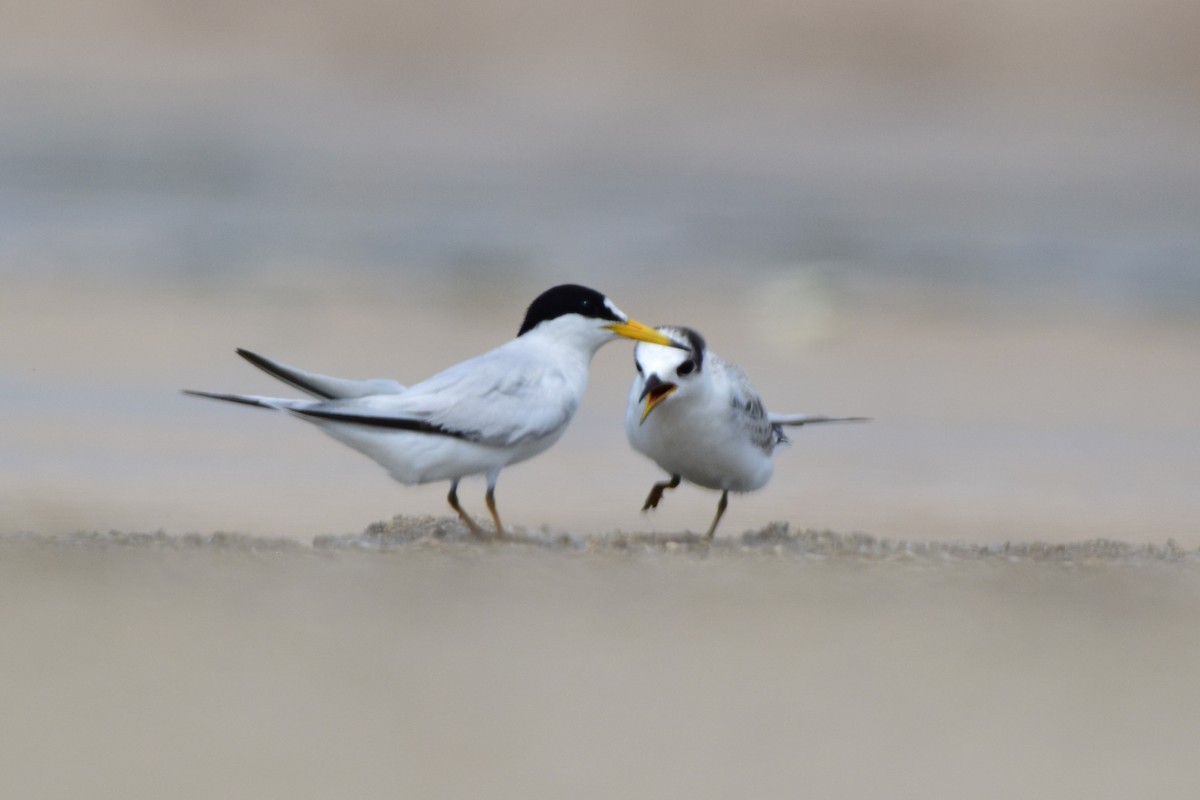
746 405
500 398
765 429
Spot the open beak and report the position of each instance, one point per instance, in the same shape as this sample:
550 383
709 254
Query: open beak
655 391
632 329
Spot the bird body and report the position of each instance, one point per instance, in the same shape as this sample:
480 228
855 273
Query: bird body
698 417
476 417
496 409
714 437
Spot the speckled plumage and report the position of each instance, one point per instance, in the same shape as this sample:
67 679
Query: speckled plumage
698 417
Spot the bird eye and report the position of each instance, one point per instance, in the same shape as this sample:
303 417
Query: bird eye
686 367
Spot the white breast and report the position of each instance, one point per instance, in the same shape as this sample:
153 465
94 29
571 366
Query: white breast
703 441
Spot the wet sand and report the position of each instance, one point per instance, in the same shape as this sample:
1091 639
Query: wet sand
410 661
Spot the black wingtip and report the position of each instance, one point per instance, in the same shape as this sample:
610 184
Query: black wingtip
279 372
253 358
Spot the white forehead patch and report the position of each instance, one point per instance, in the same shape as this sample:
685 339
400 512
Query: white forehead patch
618 312
659 359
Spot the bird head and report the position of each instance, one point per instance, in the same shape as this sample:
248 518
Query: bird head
572 311
674 371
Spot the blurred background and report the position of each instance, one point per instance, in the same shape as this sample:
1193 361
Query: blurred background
974 222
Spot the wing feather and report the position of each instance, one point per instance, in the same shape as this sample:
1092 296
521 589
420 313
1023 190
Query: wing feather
501 398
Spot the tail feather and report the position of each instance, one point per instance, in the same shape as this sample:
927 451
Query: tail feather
810 419
274 403
796 420
324 387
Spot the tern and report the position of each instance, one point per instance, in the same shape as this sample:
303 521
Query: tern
477 417
697 416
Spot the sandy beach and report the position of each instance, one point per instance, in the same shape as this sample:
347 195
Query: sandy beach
409 661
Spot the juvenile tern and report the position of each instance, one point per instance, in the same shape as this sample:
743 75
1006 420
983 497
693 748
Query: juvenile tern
477 417
697 416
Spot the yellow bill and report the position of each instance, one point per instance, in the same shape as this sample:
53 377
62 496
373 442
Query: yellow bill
654 398
655 392
632 329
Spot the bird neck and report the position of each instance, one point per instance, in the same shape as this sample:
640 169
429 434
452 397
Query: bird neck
569 340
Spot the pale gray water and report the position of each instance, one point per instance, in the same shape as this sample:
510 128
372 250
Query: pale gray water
422 141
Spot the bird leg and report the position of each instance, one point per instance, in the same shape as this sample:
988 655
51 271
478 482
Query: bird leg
657 492
453 500
724 501
491 504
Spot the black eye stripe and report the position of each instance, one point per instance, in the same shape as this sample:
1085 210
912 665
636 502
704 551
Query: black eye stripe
696 345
